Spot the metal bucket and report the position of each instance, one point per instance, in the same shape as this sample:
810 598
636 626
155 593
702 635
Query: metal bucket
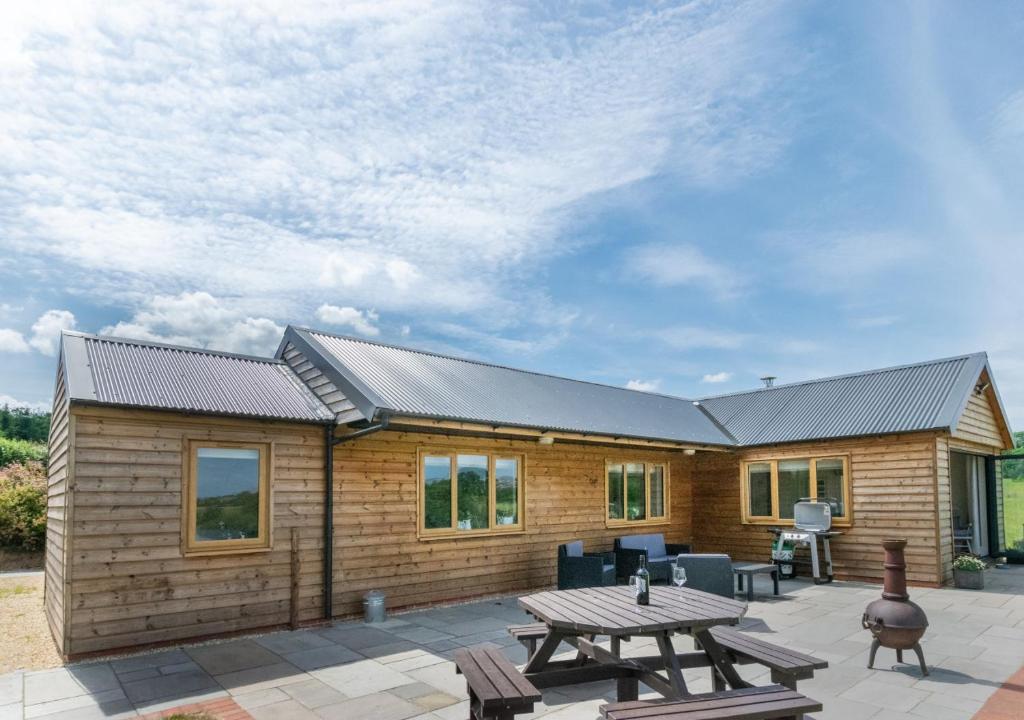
373 607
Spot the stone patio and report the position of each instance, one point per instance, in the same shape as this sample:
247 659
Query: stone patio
402 668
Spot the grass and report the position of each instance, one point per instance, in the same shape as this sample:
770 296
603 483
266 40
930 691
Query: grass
1013 510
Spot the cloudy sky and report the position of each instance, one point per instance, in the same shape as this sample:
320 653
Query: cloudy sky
676 197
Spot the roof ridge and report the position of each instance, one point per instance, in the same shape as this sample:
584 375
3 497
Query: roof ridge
171 346
861 373
487 364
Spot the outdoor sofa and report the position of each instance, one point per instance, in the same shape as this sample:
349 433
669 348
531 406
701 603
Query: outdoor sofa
577 569
708 572
660 556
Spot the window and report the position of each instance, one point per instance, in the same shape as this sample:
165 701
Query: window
770 488
469 493
637 493
227 497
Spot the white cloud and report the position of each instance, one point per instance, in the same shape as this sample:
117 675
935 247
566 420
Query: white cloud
46 330
13 402
407 156
682 264
691 338
876 321
718 377
643 385
199 319
847 262
12 341
350 317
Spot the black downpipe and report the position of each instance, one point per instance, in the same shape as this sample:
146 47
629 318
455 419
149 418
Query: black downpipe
329 442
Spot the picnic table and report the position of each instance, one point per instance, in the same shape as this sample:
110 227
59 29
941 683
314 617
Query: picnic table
578 617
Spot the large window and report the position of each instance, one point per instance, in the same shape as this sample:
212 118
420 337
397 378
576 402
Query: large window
227 497
470 493
770 488
636 492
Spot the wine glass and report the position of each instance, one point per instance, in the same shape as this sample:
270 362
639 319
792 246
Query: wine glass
679 577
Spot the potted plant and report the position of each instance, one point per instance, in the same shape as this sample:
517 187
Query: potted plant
969 572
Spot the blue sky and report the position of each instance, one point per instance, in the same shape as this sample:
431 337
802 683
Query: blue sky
676 197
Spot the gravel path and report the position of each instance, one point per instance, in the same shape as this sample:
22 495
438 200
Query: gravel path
25 640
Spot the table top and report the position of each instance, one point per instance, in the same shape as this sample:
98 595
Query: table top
613 610
753 567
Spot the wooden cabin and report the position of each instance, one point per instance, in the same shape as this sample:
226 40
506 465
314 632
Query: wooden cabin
196 493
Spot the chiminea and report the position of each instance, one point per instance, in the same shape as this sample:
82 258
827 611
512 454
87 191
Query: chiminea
895 622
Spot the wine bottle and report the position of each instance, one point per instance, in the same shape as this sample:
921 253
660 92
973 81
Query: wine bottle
643 583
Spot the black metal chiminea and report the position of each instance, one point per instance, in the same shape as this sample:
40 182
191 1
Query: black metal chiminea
894 620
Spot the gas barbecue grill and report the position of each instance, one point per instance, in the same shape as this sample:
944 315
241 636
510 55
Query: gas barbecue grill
812 520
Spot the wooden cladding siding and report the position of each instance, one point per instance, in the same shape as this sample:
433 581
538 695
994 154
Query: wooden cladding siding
979 422
893 488
57 496
376 545
129 582
320 384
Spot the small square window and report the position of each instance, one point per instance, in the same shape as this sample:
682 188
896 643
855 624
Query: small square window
228 504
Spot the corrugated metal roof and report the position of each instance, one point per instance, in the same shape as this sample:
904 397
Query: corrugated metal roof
907 398
402 381
131 373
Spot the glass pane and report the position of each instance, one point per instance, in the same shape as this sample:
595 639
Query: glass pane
437 492
636 492
759 489
615 497
830 484
1013 507
227 493
657 491
472 502
506 491
794 483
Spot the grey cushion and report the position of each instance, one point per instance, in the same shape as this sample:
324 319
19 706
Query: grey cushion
574 549
653 545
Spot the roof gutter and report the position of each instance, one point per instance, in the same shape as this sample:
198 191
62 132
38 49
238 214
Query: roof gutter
329 442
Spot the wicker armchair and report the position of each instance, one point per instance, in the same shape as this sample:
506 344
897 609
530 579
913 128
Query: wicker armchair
660 555
577 569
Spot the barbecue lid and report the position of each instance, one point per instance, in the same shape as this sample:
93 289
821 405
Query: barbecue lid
811 515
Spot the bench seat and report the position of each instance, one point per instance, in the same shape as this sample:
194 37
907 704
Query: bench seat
496 688
787 665
528 635
759 703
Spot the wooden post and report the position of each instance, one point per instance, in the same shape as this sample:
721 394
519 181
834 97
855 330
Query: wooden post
296 575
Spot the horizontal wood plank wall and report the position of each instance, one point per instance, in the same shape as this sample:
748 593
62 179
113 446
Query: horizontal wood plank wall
893 490
944 503
131 584
376 547
56 511
978 422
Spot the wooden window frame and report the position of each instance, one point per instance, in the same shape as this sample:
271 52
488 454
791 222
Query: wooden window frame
425 533
666 492
812 462
264 541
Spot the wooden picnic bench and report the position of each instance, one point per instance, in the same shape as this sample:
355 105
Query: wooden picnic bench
787 665
757 703
528 635
497 690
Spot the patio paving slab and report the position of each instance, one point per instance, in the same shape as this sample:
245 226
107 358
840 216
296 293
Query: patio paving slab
169 687
314 693
315 658
287 710
382 706
231 656
364 677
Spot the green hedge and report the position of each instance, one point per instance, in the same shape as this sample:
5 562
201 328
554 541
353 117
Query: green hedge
20 451
23 506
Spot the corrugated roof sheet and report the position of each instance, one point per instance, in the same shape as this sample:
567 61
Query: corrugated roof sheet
131 373
907 398
411 382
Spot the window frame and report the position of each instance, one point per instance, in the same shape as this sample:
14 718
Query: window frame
665 465
190 461
773 463
425 533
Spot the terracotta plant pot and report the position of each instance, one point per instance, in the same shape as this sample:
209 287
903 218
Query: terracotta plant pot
969 579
